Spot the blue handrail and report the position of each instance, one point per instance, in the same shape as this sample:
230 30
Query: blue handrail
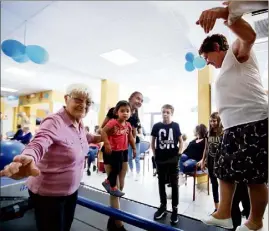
129 218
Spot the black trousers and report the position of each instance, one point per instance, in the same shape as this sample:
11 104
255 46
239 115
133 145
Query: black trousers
240 195
116 160
54 213
213 178
168 173
153 162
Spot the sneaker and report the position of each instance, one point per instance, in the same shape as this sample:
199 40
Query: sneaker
155 173
88 172
111 226
244 228
106 185
174 217
116 192
160 213
130 174
137 177
181 179
94 168
214 211
223 223
121 229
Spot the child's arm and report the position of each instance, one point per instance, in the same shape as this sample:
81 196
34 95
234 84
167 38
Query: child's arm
180 144
153 139
132 143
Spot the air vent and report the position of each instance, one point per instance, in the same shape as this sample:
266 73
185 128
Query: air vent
261 28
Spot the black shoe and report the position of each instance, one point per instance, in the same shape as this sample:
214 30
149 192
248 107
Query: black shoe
121 229
160 213
88 172
111 226
94 168
174 217
169 185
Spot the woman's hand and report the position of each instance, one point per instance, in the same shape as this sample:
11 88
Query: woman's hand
134 153
208 18
201 164
108 149
21 167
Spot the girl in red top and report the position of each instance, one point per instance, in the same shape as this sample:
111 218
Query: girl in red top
117 134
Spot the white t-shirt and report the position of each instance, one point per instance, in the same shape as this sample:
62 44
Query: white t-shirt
240 96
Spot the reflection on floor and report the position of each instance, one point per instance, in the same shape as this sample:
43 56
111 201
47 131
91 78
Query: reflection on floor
146 191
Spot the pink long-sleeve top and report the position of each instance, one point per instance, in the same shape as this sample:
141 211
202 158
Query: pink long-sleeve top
59 150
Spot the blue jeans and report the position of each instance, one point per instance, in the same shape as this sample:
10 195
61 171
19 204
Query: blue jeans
92 154
137 158
186 164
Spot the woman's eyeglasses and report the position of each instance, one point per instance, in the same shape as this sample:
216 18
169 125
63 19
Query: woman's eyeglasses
88 102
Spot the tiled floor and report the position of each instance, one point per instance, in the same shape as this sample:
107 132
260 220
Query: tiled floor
146 191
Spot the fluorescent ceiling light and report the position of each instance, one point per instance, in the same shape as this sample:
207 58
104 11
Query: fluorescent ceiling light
119 57
20 71
8 89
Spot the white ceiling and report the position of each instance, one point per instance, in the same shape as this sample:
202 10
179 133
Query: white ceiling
76 33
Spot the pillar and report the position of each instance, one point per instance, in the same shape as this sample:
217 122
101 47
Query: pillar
204 101
204 94
109 98
15 118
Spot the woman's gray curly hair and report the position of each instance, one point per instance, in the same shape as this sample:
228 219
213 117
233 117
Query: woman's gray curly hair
79 89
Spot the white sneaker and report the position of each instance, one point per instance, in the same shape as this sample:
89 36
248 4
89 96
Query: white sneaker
181 179
244 228
130 174
224 223
137 177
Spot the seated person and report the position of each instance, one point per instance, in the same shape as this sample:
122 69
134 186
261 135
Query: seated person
18 133
26 137
93 151
194 152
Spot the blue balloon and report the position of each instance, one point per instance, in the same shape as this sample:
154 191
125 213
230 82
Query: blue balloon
9 149
189 57
13 48
189 66
199 62
21 59
37 54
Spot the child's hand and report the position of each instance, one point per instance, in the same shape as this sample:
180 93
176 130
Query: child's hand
108 149
134 153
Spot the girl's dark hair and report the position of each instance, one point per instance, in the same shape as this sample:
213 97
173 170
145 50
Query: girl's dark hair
215 115
122 103
201 130
132 96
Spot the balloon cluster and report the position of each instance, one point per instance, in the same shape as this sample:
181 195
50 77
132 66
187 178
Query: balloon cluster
22 54
194 62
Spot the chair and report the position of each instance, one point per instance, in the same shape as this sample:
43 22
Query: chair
144 150
197 173
10 134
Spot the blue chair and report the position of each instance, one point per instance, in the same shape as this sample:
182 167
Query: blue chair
144 151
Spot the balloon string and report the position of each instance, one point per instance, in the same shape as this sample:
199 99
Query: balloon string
25 32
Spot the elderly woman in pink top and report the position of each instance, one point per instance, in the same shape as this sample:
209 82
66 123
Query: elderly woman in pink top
54 162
